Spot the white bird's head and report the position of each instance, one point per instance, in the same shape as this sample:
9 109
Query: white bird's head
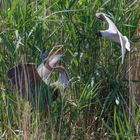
100 16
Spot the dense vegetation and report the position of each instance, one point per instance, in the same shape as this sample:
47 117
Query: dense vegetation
100 101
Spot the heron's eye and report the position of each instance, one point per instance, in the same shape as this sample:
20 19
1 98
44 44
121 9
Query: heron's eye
44 55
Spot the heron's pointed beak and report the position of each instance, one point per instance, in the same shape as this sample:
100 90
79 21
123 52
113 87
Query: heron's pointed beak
54 56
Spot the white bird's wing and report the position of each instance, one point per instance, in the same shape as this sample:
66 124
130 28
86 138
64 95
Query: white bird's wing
126 43
111 26
123 50
113 34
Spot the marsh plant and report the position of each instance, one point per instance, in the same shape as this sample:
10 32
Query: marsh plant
99 102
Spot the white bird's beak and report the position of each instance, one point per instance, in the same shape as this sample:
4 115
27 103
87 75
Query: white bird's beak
113 34
100 16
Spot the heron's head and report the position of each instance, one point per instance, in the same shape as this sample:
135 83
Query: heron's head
51 66
54 56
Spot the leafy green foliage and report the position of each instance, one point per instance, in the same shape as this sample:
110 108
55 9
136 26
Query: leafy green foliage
98 87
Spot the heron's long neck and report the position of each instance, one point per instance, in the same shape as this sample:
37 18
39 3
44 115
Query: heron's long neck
60 70
56 69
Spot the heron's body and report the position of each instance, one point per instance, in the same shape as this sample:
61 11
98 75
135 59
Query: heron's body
31 87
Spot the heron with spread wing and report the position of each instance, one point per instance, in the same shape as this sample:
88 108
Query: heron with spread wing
34 84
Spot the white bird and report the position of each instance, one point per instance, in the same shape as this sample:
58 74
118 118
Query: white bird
113 34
